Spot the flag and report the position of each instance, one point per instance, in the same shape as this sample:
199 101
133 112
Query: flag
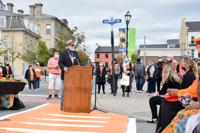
131 41
122 37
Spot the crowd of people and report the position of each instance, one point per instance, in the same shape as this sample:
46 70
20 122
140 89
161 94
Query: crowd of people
33 76
170 83
125 73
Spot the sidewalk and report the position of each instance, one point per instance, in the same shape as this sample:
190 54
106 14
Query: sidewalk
136 106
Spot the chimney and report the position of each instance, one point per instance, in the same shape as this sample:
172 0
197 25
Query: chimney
32 10
38 9
10 7
20 12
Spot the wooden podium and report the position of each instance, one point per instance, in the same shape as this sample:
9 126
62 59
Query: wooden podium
77 89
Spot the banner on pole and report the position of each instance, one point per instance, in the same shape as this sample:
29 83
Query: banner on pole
131 41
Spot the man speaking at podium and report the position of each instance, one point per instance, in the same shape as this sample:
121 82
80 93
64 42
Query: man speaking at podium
69 57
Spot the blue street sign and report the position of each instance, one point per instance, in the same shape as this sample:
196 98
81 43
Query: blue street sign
105 21
112 21
118 20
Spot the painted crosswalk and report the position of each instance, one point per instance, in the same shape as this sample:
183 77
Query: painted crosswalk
48 118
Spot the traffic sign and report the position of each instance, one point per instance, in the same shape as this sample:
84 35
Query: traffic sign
111 21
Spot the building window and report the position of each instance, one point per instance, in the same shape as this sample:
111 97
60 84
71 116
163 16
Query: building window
48 29
2 22
97 55
106 55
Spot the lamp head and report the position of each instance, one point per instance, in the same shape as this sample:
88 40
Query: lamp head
127 17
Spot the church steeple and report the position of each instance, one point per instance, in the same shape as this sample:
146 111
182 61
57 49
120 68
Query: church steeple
2 6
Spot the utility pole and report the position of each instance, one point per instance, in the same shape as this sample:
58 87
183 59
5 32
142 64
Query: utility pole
111 22
144 50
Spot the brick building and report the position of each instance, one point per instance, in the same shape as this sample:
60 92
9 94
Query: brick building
104 54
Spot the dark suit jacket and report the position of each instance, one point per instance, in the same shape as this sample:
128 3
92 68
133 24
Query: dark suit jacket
65 61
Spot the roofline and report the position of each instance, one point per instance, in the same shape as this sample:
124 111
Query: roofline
15 14
109 52
50 17
160 48
22 29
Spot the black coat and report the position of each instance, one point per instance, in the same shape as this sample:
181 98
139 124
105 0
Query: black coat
154 74
159 65
188 79
65 61
101 79
27 75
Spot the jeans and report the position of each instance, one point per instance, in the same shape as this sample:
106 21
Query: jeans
139 83
37 83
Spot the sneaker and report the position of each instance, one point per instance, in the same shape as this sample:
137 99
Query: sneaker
152 121
128 95
140 91
137 91
149 94
49 97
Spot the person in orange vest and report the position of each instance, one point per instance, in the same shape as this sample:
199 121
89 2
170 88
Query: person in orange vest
38 70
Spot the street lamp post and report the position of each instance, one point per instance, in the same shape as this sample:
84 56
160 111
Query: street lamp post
112 22
127 19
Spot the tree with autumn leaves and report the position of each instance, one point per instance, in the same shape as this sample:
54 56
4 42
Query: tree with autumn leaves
42 53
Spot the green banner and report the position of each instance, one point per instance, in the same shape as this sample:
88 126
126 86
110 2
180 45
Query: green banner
131 41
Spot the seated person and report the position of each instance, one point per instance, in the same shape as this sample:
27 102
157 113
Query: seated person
169 109
187 80
156 100
180 123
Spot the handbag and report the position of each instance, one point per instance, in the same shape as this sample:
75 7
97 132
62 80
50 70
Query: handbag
185 100
125 81
171 98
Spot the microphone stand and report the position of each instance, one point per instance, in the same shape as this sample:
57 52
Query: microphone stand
95 95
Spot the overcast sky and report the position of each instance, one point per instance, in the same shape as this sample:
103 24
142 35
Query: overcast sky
158 20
